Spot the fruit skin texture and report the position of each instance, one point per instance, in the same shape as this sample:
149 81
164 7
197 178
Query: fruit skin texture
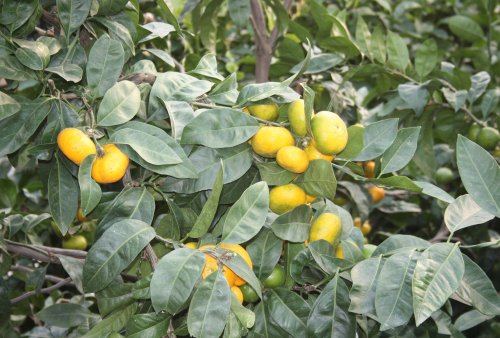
314 154
276 278
293 159
110 167
76 242
269 140
75 144
267 112
211 266
286 197
377 194
329 132
369 169
249 294
444 175
327 226
297 117
237 292
238 249
488 138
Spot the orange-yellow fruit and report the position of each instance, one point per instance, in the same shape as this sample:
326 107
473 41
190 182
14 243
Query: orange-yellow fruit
110 167
267 112
75 144
286 197
314 154
297 117
329 132
310 199
377 193
238 249
339 253
293 159
80 216
192 245
269 140
211 266
366 228
327 226
369 168
237 292
357 222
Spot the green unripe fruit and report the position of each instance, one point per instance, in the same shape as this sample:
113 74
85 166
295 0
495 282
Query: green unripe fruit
473 131
77 242
444 175
276 278
297 117
488 138
249 294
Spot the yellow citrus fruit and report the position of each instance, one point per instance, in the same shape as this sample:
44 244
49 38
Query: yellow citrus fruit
237 292
80 216
377 193
267 112
286 197
339 253
293 159
268 140
211 266
76 242
369 168
310 199
192 245
75 144
239 250
329 132
327 226
357 222
245 110
314 154
366 228
110 167
297 117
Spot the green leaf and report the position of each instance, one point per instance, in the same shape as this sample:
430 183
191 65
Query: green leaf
378 45
319 180
399 182
477 289
464 212
289 311
148 325
113 323
377 138
119 32
470 319
259 91
364 37
209 307
74 268
240 267
465 28
115 296
355 144
490 102
265 252
33 54
401 151
226 92
393 298
330 315
63 195
180 113
208 25
426 58
294 225
162 55
247 216
8 105
90 191
397 51
174 279
264 325
455 99
273 174
437 276
364 277
480 174
239 11
68 71
157 29
416 96
119 105
72 14
207 66
114 251
104 65
395 242
64 314
220 128
433 191
320 63
167 15
479 84
16 13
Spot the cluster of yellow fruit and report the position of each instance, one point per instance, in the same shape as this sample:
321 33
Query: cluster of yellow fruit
110 164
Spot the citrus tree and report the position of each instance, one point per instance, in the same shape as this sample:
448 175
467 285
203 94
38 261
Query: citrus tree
154 182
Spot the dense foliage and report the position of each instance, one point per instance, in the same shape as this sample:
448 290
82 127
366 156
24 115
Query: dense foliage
129 222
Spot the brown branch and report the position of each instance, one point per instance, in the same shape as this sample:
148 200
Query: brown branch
150 255
25 269
139 78
49 289
44 32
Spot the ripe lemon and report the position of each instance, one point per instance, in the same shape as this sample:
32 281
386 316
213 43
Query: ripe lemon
488 138
297 117
239 250
327 226
293 159
369 169
376 193
110 167
286 197
237 292
314 154
75 144
268 140
267 112
76 242
329 132
211 266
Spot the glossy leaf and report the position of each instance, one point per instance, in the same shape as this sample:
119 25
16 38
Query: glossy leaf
416 96
68 71
319 180
33 54
148 325
378 137
72 14
364 281
9 106
240 267
113 323
265 252
74 268
294 225
289 311
64 315
398 241
463 213
397 51
401 151
226 92
426 58
180 113
465 28
119 105
273 174
90 191
434 191
480 82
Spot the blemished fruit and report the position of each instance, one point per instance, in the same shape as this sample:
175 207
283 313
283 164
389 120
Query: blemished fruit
327 226
368 250
286 197
238 249
377 194
268 112
249 294
75 144
76 242
329 132
293 159
297 117
276 278
237 292
211 266
192 245
444 175
269 140
314 154
339 252
473 131
110 167
488 138
80 216
369 169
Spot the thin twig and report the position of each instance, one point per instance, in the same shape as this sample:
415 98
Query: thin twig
44 290
25 269
151 256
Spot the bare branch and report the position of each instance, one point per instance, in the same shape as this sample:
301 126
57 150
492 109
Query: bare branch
151 256
25 269
139 78
44 290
